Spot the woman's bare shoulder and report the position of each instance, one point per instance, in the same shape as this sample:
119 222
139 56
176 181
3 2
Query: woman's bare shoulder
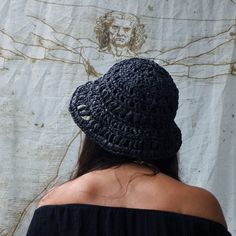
53 195
48 196
201 202
71 191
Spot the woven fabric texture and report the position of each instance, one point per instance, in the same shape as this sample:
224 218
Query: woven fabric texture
130 110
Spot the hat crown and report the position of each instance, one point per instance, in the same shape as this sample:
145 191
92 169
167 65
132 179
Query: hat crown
141 86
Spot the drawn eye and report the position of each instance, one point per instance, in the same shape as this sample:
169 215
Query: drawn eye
115 27
127 29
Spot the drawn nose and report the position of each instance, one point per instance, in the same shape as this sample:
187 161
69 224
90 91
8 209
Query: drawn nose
120 31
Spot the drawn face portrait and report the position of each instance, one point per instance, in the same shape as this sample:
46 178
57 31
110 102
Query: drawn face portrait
120 32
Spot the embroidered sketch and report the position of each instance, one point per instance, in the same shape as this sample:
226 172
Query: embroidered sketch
119 35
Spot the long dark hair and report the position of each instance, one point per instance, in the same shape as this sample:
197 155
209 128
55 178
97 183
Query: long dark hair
93 157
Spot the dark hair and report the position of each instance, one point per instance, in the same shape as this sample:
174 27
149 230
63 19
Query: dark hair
93 157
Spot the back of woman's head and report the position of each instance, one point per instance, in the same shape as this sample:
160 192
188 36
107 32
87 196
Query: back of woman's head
128 115
94 157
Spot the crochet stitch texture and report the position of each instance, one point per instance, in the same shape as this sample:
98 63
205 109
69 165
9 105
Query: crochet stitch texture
130 110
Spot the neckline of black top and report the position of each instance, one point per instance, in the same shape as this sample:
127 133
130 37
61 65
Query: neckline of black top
154 211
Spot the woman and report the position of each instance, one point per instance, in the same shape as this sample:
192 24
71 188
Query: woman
126 182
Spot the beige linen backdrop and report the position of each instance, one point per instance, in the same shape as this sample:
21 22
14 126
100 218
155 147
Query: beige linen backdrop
49 47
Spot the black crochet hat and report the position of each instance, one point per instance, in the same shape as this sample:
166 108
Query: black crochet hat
130 110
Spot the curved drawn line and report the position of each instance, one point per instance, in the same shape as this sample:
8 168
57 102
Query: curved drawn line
24 211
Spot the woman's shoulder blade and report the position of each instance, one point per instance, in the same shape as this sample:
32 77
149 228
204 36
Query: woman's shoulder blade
201 202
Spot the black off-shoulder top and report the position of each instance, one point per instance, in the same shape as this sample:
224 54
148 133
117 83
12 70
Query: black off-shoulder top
79 219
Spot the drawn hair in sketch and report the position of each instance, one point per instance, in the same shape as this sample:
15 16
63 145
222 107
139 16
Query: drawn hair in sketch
103 30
